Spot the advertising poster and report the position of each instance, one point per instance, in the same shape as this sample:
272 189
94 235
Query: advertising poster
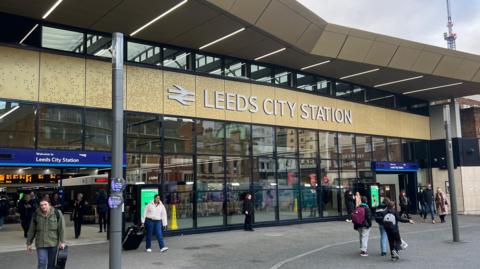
374 197
146 196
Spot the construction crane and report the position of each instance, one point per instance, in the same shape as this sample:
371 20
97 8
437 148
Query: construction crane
450 36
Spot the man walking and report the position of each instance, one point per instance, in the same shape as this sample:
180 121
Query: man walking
361 218
26 208
248 211
48 230
154 217
380 213
428 200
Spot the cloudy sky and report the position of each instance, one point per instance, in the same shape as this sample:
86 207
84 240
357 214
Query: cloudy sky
417 20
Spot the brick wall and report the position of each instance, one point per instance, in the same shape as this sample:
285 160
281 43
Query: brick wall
470 119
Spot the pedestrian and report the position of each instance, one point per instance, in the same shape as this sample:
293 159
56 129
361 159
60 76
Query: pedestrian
26 208
421 203
248 212
4 207
154 218
380 213
441 203
79 209
428 202
390 223
404 201
48 230
358 199
361 218
57 202
350 204
102 209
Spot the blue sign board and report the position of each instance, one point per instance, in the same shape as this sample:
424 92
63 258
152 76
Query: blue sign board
57 158
394 167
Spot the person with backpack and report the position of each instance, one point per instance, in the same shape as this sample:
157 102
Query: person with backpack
362 222
390 223
102 209
380 213
48 230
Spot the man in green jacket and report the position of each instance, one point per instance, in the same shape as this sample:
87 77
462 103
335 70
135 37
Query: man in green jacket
48 230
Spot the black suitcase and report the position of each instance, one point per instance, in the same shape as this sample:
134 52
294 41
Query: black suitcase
61 258
133 238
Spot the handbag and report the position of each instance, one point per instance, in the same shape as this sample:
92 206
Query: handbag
61 257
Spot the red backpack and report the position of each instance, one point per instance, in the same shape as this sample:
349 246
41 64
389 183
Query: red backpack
358 216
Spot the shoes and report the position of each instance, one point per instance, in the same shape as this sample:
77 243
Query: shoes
363 254
384 253
404 245
163 249
149 250
395 255
348 220
433 221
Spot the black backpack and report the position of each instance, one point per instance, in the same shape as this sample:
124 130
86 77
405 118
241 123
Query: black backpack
380 213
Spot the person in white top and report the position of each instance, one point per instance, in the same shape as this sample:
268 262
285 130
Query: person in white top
154 217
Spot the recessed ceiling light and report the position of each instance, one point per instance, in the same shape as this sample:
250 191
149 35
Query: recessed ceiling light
397 81
159 17
51 9
269 54
361 73
222 38
313 65
433 88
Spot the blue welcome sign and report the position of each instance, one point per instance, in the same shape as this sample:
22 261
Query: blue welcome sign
58 158
394 167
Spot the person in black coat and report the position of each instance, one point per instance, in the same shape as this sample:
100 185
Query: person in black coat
26 208
248 211
102 210
428 200
79 209
350 204
393 231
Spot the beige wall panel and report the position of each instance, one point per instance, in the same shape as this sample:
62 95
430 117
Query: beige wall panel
331 27
224 4
404 58
392 128
388 39
308 122
412 44
262 93
309 38
62 79
172 107
448 66
426 62
414 126
380 53
249 10
289 116
210 85
467 70
329 44
476 78
19 74
245 90
99 84
144 89
304 12
282 22
362 34
355 49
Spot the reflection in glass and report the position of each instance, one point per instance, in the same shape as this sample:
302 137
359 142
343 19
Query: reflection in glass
183 204
379 149
308 143
60 128
143 168
210 137
59 39
264 173
346 146
98 130
306 82
328 145
208 64
330 199
143 133
17 124
308 186
262 140
394 149
282 77
260 73
235 207
343 89
238 173
174 58
286 141
329 172
265 204
364 147
143 53
178 173
235 69
209 208
287 173
288 204
348 173
238 139
98 45
178 135
210 173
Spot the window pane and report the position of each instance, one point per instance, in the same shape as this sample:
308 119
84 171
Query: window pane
286 141
143 53
287 173
235 207
238 139
324 86
208 64
178 173
394 149
379 150
98 45
260 73
288 204
178 135
209 208
308 142
264 173
330 200
17 124
143 168
60 39
346 146
342 89
329 172
210 173
358 94
364 169
262 139
380 98
308 186
210 137
143 133
235 69
306 82
17 30
60 128
282 77
348 173
328 145
98 130
238 173
364 147
183 202
174 58
265 204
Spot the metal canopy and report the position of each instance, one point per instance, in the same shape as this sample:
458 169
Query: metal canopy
271 25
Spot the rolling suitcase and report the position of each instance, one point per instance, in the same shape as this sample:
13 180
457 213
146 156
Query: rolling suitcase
61 258
133 238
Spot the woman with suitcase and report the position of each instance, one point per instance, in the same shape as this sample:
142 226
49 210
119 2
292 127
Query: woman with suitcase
155 217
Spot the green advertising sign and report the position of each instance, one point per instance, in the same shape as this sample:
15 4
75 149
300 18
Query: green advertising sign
146 196
374 198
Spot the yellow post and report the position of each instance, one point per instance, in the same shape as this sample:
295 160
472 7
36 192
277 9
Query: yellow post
173 221
295 205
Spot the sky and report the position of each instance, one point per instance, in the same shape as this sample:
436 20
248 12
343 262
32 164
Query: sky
417 20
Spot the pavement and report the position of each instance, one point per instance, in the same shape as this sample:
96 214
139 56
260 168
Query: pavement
314 245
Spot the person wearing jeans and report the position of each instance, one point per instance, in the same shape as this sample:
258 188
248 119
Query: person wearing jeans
380 212
364 228
154 218
428 200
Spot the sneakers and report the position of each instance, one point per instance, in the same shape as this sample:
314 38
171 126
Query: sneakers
348 220
395 255
363 254
404 245
433 221
384 254
163 249
149 250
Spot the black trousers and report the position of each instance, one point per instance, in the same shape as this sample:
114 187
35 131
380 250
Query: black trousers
248 222
404 210
25 226
102 220
77 226
394 239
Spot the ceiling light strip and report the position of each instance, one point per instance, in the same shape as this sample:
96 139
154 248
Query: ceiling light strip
222 38
313 65
397 81
9 112
361 73
433 88
52 9
270 54
159 17
29 33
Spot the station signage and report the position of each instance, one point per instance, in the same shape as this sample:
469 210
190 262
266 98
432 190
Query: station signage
28 178
394 167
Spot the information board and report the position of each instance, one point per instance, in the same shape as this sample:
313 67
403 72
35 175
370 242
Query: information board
146 196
